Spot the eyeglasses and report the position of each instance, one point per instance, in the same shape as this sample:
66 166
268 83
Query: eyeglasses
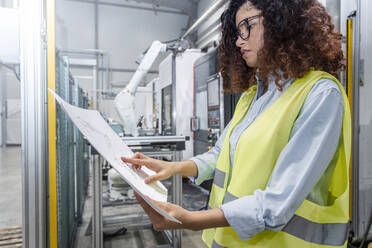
244 28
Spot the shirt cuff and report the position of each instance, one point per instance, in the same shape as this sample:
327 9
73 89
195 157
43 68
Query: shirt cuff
203 171
244 216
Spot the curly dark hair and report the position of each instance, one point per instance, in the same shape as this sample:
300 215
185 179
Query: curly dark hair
298 36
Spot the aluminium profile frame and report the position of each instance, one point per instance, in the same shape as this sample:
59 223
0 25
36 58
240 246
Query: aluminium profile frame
33 87
3 106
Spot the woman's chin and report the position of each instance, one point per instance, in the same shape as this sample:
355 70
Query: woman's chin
249 61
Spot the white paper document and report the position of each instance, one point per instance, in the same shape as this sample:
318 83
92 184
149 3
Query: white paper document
104 139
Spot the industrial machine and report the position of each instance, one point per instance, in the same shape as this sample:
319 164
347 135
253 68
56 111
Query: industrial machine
212 109
125 100
173 95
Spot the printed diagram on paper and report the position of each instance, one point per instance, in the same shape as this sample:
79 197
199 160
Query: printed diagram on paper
104 139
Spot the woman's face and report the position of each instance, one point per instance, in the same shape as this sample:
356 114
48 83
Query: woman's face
249 47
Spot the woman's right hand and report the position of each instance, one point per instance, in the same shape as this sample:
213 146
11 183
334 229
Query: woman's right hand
163 169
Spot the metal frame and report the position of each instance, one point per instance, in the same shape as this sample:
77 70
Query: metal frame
175 236
174 95
75 102
177 197
133 141
33 88
355 118
111 69
12 67
97 237
98 75
4 110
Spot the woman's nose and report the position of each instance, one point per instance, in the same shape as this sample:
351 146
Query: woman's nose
239 42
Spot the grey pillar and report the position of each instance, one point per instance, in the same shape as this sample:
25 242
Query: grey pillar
33 124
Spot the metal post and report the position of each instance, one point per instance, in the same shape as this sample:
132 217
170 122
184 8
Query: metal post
101 80
77 149
96 37
174 94
108 73
97 204
177 199
355 119
98 58
33 88
4 110
94 92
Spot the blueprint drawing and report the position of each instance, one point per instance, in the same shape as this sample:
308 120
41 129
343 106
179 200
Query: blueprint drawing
104 139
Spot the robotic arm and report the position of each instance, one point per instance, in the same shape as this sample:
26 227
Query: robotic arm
124 101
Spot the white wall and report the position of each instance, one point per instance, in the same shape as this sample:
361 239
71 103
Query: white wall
125 33
9 30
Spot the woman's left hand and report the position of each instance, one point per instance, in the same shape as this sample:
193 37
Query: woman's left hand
194 220
160 222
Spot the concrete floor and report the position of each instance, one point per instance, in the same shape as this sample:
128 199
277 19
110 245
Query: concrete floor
10 187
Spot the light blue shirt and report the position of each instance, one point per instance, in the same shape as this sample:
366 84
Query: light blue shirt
301 171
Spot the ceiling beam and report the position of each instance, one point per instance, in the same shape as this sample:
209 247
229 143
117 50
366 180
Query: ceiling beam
153 9
186 6
110 69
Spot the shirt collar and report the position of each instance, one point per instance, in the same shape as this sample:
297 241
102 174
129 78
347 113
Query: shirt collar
271 84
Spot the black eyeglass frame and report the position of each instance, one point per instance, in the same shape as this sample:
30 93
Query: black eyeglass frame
246 20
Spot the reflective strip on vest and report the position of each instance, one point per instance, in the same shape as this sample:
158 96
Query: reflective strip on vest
219 178
215 245
319 233
229 197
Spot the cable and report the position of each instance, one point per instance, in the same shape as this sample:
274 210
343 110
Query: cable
119 232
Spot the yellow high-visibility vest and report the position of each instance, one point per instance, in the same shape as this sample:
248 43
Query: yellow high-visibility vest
255 157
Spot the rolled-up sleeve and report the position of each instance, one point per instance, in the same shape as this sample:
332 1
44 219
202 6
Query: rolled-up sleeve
206 162
301 164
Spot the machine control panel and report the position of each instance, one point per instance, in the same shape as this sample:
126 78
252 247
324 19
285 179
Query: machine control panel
214 120
214 102
213 135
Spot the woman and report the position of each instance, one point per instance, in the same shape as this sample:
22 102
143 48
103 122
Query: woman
280 167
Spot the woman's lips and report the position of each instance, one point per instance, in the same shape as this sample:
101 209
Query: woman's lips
245 52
